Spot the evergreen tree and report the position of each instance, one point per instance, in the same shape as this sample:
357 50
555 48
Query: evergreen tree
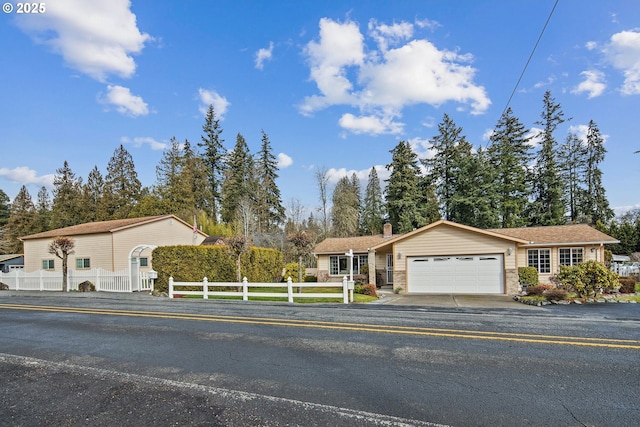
214 159
269 209
43 211
21 221
373 206
5 208
92 193
194 176
572 157
427 202
509 156
66 209
168 181
237 184
346 208
595 204
121 185
402 192
547 207
451 151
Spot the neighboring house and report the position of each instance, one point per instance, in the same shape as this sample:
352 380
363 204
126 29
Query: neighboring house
111 245
446 257
11 261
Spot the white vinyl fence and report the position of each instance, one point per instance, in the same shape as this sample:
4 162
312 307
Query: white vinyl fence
625 269
206 289
103 280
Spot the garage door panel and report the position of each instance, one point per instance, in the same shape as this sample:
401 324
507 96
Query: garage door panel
456 274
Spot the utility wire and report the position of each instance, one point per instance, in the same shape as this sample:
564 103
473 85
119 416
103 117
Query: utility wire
530 56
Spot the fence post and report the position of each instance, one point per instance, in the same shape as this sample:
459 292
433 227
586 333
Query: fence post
245 289
42 280
171 287
205 288
17 281
345 290
290 289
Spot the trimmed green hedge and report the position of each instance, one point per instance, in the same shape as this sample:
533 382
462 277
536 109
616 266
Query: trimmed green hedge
216 263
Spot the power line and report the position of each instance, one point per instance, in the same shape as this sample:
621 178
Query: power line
530 56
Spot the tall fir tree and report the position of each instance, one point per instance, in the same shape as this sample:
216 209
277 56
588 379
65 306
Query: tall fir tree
237 185
121 185
373 214
66 209
547 206
269 209
21 221
5 208
43 210
214 159
194 174
450 151
509 154
92 194
345 211
402 192
572 160
595 204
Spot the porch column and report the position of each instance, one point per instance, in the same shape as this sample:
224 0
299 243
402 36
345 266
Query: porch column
371 261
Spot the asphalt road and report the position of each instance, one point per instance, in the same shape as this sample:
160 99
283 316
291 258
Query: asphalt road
138 360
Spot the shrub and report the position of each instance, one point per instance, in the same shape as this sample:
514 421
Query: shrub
86 286
528 276
291 270
589 278
627 285
310 278
193 263
538 289
555 294
367 289
637 287
4 287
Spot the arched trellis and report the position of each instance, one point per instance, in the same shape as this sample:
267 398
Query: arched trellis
134 265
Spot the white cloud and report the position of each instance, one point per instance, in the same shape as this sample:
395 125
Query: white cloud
138 141
581 132
284 161
381 83
623 52
372 125
211 97
25 176
264 55
125 101
97 37
594 84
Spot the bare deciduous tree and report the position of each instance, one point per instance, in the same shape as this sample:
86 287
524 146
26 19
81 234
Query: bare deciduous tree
62 247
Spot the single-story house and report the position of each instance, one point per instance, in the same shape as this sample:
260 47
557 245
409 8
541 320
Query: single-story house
447 257
10 261
111 245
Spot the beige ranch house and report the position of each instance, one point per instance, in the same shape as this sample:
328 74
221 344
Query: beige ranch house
447 257
111 245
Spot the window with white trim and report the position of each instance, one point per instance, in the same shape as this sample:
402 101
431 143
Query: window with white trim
144 262
48 264
339 264
83 263
571 256
540 259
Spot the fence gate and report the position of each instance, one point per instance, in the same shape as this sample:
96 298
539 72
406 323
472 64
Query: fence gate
134 265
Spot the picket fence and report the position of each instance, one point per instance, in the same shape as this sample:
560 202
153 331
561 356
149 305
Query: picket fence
103 280
206 289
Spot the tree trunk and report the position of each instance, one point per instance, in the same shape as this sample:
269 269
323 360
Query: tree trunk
64 273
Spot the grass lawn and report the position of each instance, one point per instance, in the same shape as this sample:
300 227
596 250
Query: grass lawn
357 298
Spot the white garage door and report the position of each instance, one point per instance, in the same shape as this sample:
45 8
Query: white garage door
458 274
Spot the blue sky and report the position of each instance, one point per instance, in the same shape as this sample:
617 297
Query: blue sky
334 84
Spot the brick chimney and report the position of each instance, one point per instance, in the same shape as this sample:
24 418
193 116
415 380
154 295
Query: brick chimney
386 231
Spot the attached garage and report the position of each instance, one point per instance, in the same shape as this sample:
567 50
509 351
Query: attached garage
462 274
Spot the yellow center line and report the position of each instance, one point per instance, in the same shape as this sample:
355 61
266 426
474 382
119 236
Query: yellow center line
404 330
